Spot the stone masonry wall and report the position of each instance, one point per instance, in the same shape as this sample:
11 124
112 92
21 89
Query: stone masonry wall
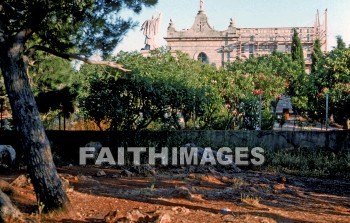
67 143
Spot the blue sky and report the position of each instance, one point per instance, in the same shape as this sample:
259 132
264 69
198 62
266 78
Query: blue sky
246 13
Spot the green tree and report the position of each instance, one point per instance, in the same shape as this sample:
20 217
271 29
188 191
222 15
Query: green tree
336 80
297 82
55 85
341 45
316 56
246 80
332 78
157 90
68 29
297 49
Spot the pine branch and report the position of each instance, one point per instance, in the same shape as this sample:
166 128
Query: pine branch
68 56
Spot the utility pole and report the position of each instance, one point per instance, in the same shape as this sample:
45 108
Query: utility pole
194 112
326 112
260 108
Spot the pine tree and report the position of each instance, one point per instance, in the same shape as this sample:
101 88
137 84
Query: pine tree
67 29
297 49
316 56
340 43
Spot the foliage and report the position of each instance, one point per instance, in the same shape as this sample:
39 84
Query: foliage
55 84
309 163
246 80
316 105
268 119
161 88
340 43
181 88
316 56
332 78
297 49
66 29
249 110
51 73
63 25
297 81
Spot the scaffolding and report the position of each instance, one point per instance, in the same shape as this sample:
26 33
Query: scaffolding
263 41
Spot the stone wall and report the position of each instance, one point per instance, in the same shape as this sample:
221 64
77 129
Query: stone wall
67 143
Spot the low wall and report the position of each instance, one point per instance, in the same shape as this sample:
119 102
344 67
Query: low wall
67 143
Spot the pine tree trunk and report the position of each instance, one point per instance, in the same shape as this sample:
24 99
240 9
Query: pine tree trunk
42 170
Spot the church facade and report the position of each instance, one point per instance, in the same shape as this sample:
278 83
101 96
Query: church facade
202 42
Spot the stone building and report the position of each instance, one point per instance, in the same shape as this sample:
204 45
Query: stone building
202 42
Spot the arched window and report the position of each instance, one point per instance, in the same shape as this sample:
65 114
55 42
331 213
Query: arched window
203 57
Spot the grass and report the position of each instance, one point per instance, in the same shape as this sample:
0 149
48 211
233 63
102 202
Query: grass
309 163
237 182
250 199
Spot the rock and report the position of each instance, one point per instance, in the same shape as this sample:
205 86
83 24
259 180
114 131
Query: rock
290 191
253 190
6 187
21 181
101 173
127 173
190 169
8 212
123 220
298 184
86 178
112 216
279 186
200 152
192 176
146 170
235 168
153 172
164 218
182 192
225 211
177 171
282 180
229 218
65 184
201 169
97 145
214 172
7 155
68 177
182 210
135 215
224 179
159 216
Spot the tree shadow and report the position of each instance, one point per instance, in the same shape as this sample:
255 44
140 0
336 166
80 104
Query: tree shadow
284 202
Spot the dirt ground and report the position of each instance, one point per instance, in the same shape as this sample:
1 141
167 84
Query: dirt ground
186 195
